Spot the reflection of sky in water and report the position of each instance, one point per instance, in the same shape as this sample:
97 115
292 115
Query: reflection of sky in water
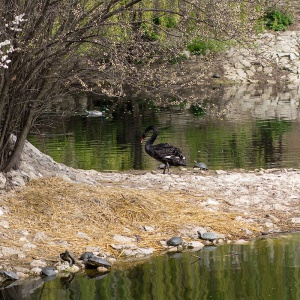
257 130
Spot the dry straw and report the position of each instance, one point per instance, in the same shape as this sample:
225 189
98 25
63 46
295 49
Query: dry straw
62 209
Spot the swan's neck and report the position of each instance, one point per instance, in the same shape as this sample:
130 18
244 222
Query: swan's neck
153 137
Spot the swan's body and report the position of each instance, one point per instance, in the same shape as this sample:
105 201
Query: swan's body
94 113
164 152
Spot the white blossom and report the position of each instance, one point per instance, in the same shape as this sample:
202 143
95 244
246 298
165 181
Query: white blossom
6 46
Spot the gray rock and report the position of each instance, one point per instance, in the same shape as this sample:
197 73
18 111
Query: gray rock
84 235
40 236
139 252
123 239
195 245
149 228
2 181
4 224
38 263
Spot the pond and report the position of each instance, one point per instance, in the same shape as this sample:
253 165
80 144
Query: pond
245 127
267 268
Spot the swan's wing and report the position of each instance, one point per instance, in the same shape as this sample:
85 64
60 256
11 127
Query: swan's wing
169 153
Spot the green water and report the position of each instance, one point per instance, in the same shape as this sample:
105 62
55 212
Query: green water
113 143
266 268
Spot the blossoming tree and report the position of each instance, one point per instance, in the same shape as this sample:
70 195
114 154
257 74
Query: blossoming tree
50 47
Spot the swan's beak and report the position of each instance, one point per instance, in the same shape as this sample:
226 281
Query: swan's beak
142 140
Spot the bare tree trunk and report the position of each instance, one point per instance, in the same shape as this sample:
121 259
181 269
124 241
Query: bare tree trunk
14 158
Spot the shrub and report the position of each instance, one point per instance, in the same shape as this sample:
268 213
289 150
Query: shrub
277 20
202 46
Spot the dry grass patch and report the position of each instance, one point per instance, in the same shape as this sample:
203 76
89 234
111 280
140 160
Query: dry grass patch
61 209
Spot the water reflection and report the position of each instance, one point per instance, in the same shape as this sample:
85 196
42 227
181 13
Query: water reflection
263 269
260 128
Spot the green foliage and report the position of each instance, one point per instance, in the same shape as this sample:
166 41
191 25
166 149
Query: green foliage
277 20
198 110
170 21
203 46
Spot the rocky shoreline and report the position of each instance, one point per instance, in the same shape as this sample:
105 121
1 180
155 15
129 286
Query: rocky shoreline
235 205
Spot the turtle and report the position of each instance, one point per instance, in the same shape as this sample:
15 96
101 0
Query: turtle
48 271
200 165
209 236
84 256
9 275
95 262
69 257
174 241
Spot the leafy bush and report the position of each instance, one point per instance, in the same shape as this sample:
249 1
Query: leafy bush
200 46
277 20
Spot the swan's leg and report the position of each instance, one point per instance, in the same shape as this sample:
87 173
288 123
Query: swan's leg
165 169
168 166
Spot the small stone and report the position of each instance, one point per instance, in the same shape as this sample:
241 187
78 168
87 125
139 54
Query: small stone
102 269
74 269
295 220
241 242
123 239
84 235
23 239
8 251
40 236
220 172
149 228
163 243
24 232
29 246
38 263
139 252
64 266
172 249
247 231
2 181
35 271
216 75
92 249
195 245
111 260
4 224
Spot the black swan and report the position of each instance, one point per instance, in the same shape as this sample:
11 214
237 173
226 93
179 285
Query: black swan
164 152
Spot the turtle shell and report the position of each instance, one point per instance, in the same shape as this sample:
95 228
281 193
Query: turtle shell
200 165
48 271
209 236
84 256
174 241
95 262
9 275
